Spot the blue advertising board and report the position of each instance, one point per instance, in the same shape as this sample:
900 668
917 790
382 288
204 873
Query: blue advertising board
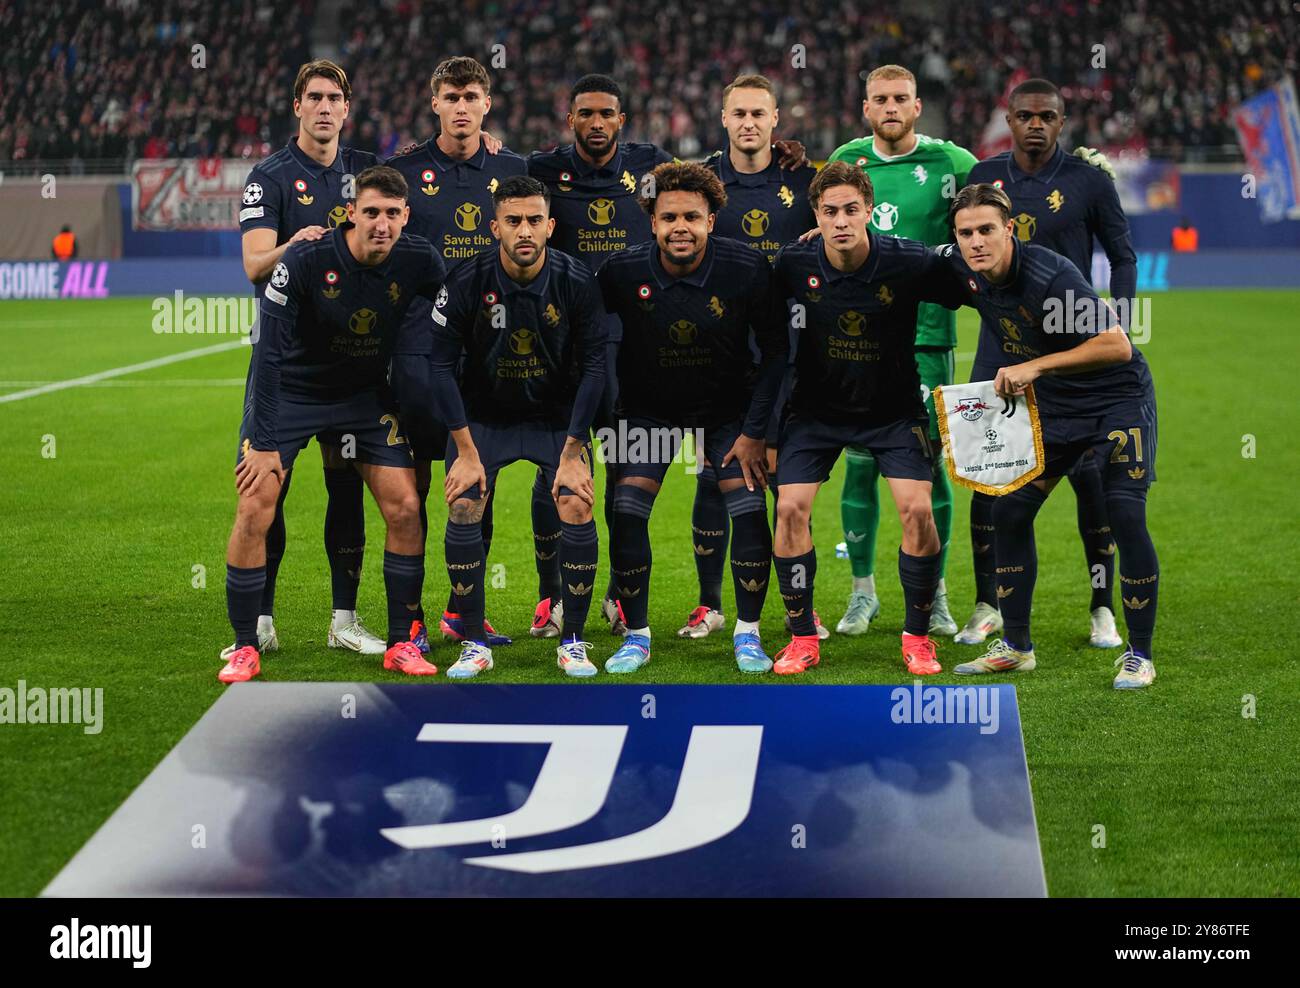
336 789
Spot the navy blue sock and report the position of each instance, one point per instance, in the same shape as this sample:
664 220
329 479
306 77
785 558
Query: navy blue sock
751 551
709 532
403 582
1094 529
345 534
919 576
546 540
465 565
631 551
1017 558
795 576
275 542
983 549
1139 569
485 527
243 597
579 554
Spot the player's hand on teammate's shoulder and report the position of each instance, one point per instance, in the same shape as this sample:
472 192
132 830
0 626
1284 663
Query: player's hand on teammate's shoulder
1095 158
751 454
255 466
492 144
308 233
790 154
812 234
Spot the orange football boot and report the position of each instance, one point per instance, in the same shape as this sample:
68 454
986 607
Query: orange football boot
918 653
800 655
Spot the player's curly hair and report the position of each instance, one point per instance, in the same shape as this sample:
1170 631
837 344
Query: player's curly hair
458 71
840 173
980 194
682 176
325 69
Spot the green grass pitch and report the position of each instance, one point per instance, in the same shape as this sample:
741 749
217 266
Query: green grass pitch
99 544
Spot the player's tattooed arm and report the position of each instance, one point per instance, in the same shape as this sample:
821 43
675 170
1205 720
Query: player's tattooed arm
467 470
574 471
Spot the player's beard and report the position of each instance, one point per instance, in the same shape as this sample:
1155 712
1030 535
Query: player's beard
597 152
893 134
525 260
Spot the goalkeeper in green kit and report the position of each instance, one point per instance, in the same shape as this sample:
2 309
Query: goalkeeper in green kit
915 178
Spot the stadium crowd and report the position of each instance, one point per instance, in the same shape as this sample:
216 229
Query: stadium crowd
117 79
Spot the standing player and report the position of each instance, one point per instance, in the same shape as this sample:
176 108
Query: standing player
452 178
1044 325
1061 202
767 207
528 321
298 195
688 303
857 385
594 184
329 317
915 178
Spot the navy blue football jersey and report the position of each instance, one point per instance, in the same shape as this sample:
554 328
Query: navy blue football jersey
451 207
1031 314
328 322
685 353
765 210
528 349
596 209
289 191
855 357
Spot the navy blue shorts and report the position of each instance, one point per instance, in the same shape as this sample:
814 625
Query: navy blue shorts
639 446
501 444
809 448
1122 440
411 381
365 426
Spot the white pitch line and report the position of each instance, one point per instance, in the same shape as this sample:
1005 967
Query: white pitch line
77 382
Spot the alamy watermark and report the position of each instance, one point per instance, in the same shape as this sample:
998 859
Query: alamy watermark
60 705
656 444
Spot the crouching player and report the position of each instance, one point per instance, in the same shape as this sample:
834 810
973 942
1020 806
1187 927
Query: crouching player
528 319
329 319
688 303
856 385
1095 395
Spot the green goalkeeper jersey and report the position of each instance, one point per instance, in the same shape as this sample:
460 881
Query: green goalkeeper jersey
913 191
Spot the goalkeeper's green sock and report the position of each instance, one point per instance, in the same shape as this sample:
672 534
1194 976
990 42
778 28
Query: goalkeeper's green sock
860 511
941 505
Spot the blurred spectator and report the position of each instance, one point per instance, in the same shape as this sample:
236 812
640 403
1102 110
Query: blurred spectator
116 78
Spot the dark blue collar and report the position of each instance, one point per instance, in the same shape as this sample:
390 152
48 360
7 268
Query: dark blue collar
313 167
537 286
699 277
865 273
1044 174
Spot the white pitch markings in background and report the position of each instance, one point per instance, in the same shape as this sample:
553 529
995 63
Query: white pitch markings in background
78 382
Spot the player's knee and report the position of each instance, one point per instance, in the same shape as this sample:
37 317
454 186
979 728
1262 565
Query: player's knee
255 512
792 511
915 514
1127 511
573 510
401 511
465 511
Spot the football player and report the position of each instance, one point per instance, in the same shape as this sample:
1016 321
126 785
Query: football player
1042 324
857 385
527 319
767 207
300 193
914 178
452 178
1062 202
330 314
689 303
